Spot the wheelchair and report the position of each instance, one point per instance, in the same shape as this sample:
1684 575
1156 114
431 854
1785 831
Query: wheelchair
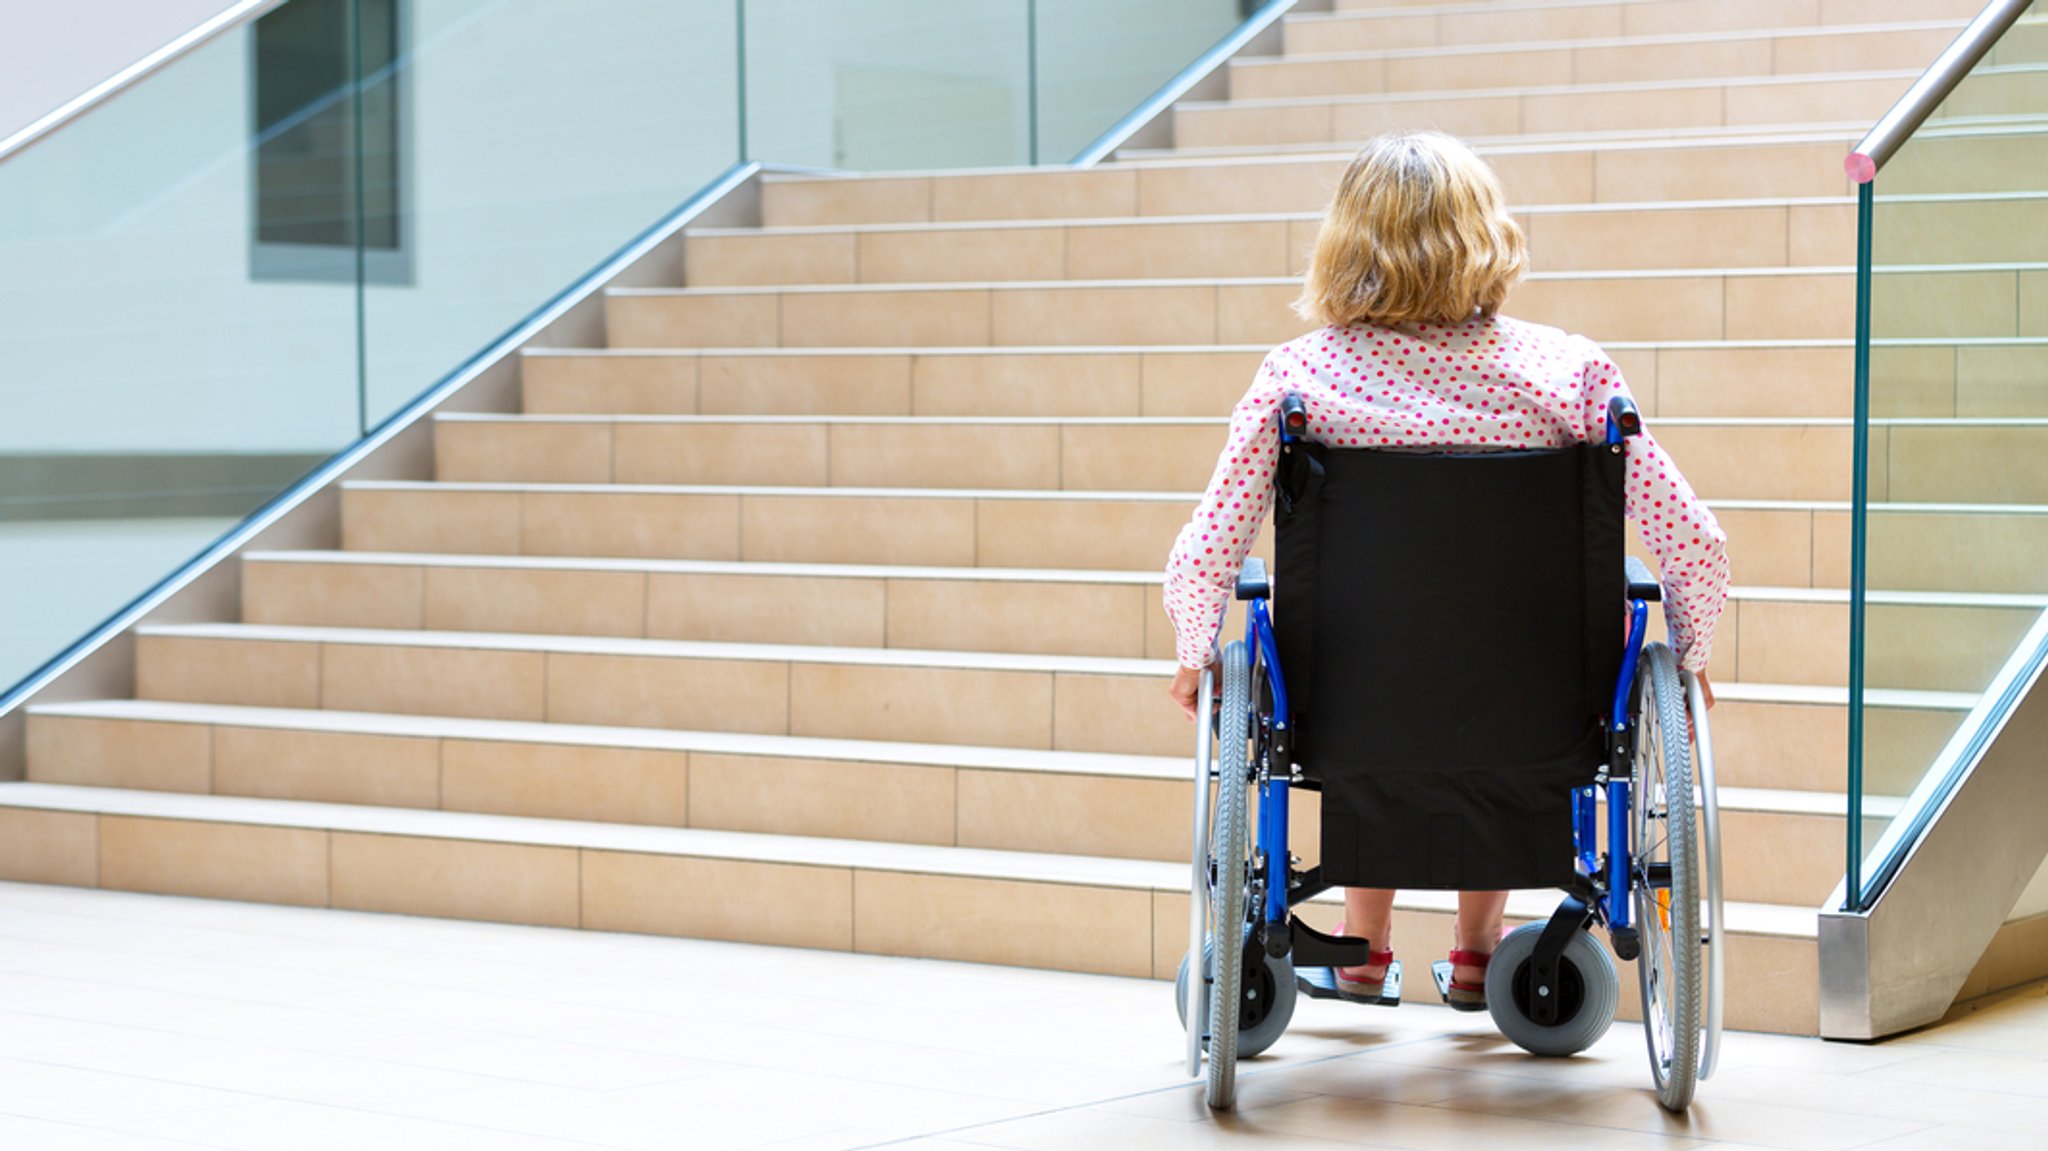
1453 654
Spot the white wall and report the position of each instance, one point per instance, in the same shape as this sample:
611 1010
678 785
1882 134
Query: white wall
52 50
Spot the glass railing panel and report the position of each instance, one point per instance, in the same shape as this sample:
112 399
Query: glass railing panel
889 84
1098 61
526 142
1956 553
155 386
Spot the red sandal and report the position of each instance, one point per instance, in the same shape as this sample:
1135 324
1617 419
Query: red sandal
1366 990
1462 996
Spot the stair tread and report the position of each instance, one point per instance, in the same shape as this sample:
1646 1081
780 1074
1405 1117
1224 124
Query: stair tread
1606 87
1752 592
775 352
1771 800
981 863
1187 497
1600 207
1513 46
1766 272
1139 160
901 657
1218 421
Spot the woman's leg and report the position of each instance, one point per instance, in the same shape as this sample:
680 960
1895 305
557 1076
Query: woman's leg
1368 915
1477 929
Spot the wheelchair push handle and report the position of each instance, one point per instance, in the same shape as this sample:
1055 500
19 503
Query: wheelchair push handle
1623 420
1293 416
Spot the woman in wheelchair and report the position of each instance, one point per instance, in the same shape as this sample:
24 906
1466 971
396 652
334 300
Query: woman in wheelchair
1413 359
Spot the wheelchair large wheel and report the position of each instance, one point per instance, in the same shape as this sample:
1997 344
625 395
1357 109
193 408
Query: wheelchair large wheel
1267 995
1229 873
1588 992
1666 883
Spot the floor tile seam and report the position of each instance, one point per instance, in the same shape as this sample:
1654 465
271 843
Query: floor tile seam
126 1128
501 1080
1245 1074
524 995
374 1110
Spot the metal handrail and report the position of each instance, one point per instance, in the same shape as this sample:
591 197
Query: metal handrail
198 37
1911 110
1181 84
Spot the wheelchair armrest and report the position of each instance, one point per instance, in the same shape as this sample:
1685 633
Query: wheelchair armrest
1641 584
1252 582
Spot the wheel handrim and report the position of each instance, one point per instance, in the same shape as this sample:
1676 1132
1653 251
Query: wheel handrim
1653 911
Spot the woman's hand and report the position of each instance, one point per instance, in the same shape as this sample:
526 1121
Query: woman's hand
1186 689
1706 689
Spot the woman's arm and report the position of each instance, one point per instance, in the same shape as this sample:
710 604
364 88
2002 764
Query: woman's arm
1691 548
1202 571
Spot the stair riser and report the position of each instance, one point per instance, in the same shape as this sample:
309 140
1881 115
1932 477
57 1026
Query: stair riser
1749 237
1126 714
1766 236
1493 116
1128 931
1556 175
1698 381
1772 857
1914 647
1692 306
1353 31
1516 67
1927 463
1064 711
1792 547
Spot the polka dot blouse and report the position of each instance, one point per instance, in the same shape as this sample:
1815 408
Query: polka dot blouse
1486 384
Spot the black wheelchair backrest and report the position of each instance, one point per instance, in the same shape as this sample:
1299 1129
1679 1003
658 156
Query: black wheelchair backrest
1451 629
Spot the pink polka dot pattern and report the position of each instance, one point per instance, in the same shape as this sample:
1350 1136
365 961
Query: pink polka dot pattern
1487 384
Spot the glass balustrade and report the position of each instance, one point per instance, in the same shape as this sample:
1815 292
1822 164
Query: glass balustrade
1954 520
228 271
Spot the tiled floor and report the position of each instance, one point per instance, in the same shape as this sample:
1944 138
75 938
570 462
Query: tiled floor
147 1022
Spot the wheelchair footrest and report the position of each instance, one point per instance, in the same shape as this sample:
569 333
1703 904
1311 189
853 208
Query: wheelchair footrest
1440 971
1321 983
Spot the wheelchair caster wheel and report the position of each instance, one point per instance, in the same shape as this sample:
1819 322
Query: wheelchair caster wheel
1269 994
1588 990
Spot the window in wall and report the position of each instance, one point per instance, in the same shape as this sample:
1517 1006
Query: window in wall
306 178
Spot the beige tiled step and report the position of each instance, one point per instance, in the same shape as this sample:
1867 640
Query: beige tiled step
1497 111
1126 531
1975 461
1122 917
1070 703
1790 543
1795 635
1718 167
1694 56
1974 300
1782 846
1355 28
1056 702
1678 378
1672 234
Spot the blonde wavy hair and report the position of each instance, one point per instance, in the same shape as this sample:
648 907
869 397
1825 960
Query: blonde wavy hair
1418 232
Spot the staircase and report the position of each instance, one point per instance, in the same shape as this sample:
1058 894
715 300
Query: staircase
821 607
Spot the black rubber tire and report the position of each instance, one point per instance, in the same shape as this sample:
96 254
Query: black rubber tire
1662 830
1230 873
1275 983
1589 986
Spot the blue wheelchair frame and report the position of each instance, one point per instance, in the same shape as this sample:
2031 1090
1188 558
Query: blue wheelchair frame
1603 891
